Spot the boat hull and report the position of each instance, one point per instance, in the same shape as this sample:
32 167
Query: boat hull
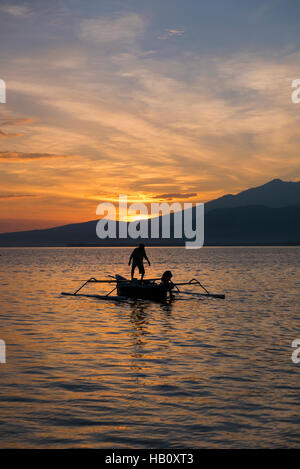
143 291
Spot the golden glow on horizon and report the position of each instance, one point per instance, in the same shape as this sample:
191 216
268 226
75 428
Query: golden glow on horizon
135 218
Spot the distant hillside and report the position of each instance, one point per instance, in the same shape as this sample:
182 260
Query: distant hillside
268 214
252 225
275 194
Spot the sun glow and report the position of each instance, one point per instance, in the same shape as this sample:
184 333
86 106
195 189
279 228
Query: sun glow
135 217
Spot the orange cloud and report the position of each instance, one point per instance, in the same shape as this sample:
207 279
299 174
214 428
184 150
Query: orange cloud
16 196
17 156
8 122
24 120
4 135
176 196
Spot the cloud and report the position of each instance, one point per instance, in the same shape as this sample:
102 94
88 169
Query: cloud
208 125
9 122
201 136
22 156
172 33
20 121
16 196
176 32
4 135
18 11
123 30
177 196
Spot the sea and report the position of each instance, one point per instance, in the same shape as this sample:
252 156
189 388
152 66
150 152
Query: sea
194 373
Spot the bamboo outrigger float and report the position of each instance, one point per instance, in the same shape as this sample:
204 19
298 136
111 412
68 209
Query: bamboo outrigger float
155 289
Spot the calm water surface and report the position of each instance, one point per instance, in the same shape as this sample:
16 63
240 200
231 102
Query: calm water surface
193 374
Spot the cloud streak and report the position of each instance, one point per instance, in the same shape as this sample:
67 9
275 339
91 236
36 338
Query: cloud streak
12 122
17 11
172 33
16 196
105 31
23 156
19 121
178 195
5 135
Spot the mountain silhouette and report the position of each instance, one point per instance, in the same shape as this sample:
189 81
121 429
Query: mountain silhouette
264 215
276 194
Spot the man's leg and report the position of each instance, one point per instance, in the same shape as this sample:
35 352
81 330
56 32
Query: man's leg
132 270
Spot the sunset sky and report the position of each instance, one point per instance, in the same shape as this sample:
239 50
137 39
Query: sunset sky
162 100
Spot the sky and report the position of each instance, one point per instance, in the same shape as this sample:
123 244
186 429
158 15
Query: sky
168 100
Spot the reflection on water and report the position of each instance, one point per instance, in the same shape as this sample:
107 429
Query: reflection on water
141 329
194 373
139 321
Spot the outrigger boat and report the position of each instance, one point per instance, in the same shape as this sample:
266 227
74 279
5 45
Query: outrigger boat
156 289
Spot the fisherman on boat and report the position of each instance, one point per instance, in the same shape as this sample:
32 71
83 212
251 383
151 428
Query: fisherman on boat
137 259
166 282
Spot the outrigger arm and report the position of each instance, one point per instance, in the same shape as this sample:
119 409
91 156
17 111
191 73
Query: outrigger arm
193 281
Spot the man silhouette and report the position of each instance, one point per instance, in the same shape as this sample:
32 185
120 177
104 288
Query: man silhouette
137 257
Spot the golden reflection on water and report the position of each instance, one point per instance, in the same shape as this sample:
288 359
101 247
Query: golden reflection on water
209 373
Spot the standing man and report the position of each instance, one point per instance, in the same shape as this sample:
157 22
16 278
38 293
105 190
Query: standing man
137 257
